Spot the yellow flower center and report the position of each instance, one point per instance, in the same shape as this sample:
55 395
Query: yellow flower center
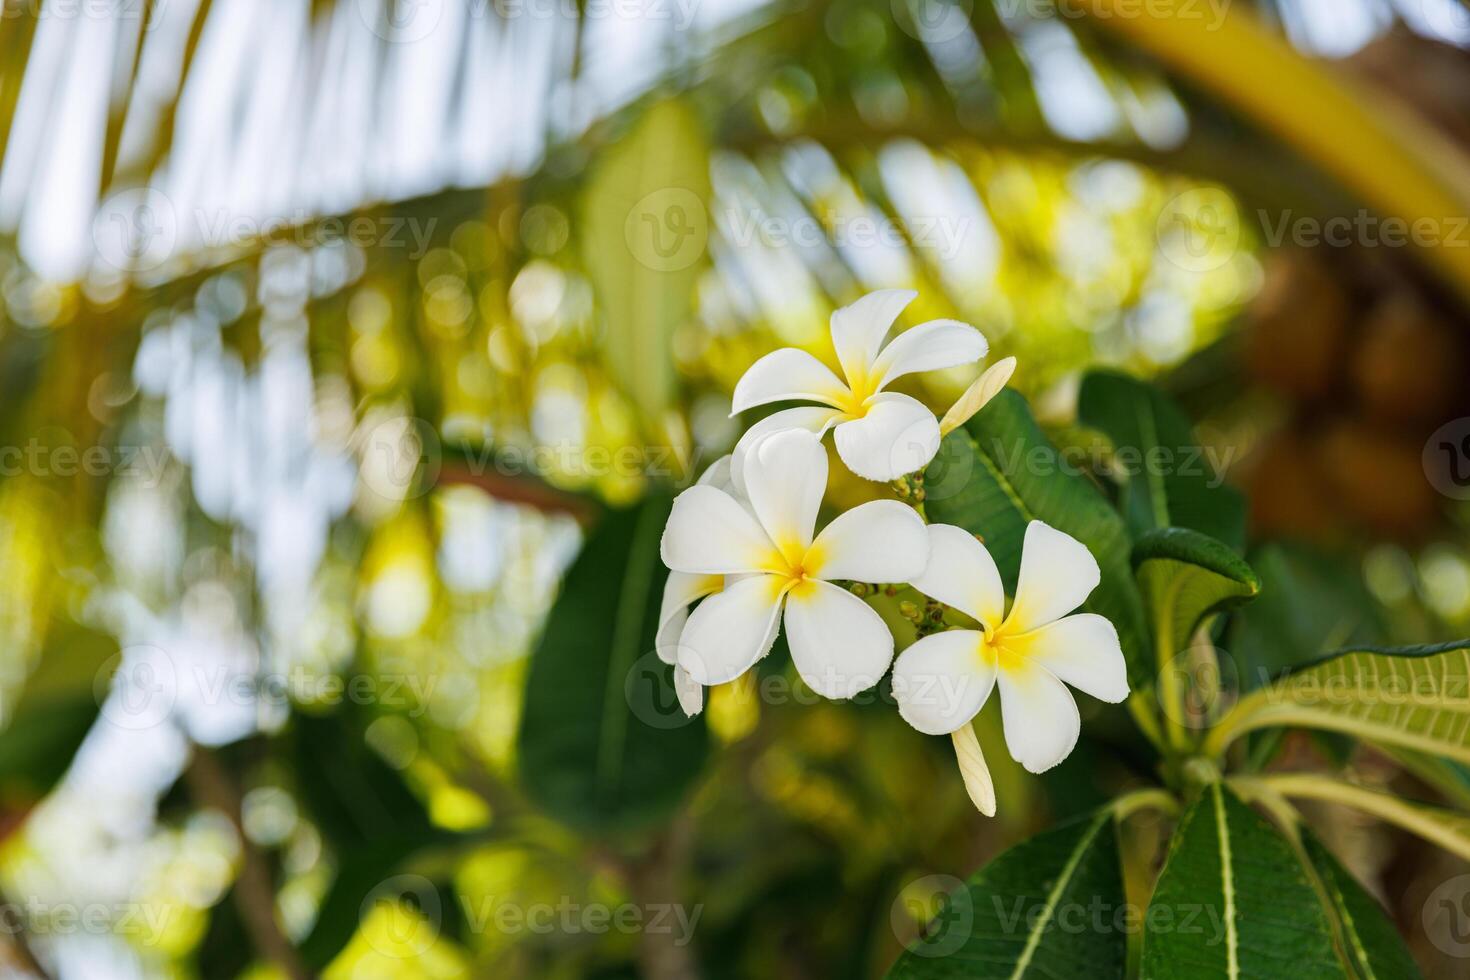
997 648
798 566
861 387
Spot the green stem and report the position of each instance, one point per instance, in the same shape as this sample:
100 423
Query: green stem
1226 731
1145 799
1147 721
1171 695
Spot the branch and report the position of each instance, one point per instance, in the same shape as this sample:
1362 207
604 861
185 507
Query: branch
255 893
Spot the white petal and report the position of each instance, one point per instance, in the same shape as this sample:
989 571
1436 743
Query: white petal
858 330
689 691
839 644
808 418
974 770
1058 573
942 681
682 589
680 592
709 533
785 478
1082 650
962 574
929 347
666 640
880 541
787 374
898 435
730 631
1039 715
718 475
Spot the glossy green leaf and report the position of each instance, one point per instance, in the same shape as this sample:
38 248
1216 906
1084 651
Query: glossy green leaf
603 743
1233 901
1048 907
1186 576
644 232
1166 477
1365 935
1411 697
998 473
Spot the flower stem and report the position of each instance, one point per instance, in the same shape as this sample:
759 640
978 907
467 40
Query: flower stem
1147 721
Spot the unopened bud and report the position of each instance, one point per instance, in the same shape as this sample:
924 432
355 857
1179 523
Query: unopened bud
986 387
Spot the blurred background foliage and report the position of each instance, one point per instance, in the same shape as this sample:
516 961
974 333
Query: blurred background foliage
331 330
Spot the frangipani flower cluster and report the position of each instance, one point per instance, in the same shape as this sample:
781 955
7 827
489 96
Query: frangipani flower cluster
746 559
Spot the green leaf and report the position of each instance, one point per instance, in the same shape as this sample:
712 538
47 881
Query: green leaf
1186 576
1167 480
1046 908
56 709
645 228
998 473
1366 937
603 744
1449 829
1410 697
353 794
37 749
366 813
1233 901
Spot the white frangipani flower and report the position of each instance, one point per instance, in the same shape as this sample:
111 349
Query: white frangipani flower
771 560
681 591
881 435
942 681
